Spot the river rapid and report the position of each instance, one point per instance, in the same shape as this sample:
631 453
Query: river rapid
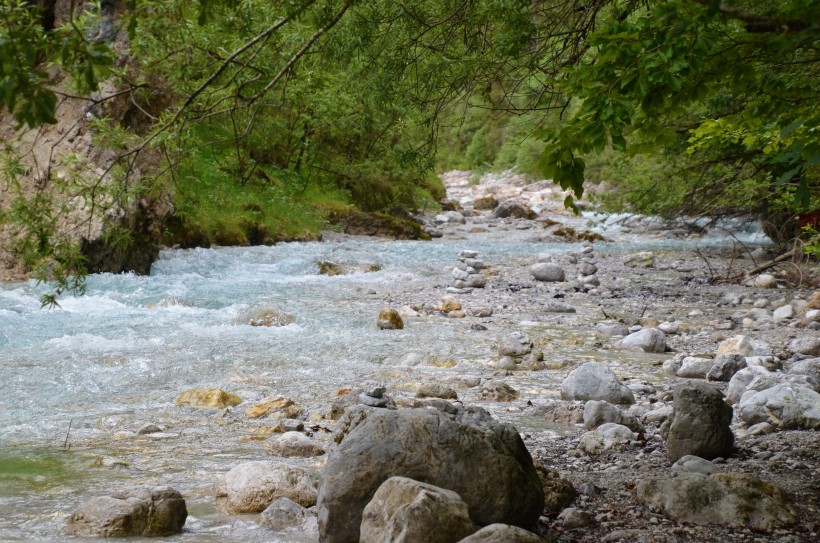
76 382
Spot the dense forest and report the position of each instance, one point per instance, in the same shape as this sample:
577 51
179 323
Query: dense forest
264 120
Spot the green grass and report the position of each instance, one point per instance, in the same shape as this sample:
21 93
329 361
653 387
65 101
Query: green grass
216 206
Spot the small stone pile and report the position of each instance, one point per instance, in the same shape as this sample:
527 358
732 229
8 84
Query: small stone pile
466 274
587 267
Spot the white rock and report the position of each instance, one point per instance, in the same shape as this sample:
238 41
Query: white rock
736 345
594 381
669 327
782 313
695 368
763 280
785 405
650 340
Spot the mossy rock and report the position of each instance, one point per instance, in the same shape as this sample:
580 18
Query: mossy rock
389 319
359 223
485 203
570 234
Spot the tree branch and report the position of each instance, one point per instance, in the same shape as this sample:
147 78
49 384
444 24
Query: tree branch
757 23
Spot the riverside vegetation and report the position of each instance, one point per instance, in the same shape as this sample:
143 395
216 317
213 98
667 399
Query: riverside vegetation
249 122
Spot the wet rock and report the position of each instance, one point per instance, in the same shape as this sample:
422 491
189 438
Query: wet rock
284 514
264 317
252 486
389 319
787 406
516 344
149 429
146 512
725 366
464 450
695 464
436 390
496 533
594 381
410 359
693 367
648 340
291 444
558 307
606 437
277 408
597 412
558 492
700 423
645 259
736 345
498 391
733 499
207 397
809 346
406 510
544 271
485 203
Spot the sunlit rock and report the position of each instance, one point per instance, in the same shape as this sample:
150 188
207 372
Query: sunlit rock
252 486
207 397
278 407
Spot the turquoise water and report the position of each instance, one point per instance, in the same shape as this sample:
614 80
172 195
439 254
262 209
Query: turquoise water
76 382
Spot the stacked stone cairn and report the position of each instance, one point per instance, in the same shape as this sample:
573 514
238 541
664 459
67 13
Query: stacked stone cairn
466 274
587 267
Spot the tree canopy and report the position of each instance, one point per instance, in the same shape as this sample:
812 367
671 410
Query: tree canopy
357 94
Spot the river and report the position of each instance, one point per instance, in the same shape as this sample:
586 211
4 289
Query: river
77 381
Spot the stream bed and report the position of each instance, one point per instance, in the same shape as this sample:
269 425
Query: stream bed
78 381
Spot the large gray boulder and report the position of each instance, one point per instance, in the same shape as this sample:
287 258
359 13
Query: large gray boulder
544 271
787 405
700 423
502 533
252 486
463 449
594 381
412 512
734 499
648 340
147 512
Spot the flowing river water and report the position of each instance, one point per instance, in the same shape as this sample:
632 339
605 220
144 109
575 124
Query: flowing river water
76 382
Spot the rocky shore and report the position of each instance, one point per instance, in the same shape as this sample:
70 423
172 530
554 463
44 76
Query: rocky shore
678 409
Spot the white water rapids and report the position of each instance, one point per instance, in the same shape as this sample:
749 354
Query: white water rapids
110 361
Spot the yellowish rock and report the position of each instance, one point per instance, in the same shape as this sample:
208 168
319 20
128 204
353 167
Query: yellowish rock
814 301
449 303
389 319
442 363
278 407
207 397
